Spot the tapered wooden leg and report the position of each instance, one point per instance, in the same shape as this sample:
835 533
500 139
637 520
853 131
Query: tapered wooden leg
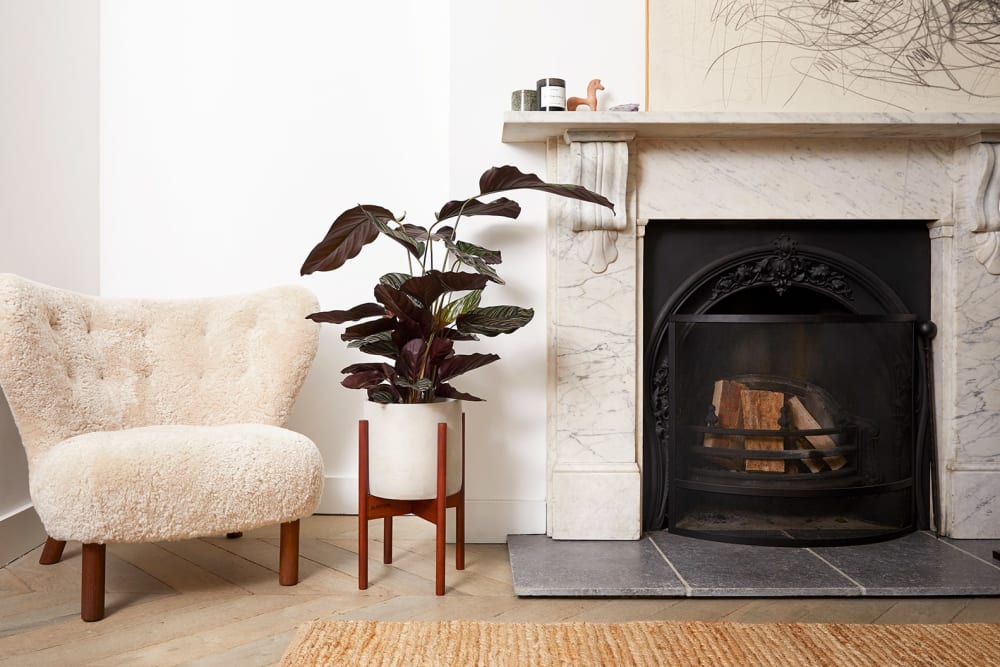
460 512
92 587
52 551
387 540
288 558
442 506
363 504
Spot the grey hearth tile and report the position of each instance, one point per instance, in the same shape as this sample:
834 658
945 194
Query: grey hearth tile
712 569
980 548
915 564
542 566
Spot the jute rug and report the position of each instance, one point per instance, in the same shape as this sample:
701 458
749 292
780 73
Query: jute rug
642 643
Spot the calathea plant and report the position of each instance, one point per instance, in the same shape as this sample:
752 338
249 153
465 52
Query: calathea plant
419 314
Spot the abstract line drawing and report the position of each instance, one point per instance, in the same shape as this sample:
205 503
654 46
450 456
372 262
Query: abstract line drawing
862 47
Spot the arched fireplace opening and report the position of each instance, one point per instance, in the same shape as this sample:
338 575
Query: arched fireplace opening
785 393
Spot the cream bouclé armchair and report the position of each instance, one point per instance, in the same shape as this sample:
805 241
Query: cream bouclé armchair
157 420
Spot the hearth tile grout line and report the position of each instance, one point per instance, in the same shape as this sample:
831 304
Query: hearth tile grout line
836 569
960 549
687 586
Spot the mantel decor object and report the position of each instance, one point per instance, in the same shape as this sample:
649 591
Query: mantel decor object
590 101
524 100
551 94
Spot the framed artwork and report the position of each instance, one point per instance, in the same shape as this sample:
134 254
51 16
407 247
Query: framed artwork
823 55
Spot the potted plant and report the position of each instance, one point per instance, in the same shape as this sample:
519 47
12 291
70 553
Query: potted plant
415 320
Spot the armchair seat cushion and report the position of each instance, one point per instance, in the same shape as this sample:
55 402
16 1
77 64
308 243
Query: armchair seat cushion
159 483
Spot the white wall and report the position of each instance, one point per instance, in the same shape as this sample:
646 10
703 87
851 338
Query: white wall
234 132
48 187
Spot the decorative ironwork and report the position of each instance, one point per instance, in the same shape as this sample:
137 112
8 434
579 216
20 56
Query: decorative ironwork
783 268
661 401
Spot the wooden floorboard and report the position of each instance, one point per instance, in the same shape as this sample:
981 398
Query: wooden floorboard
218 602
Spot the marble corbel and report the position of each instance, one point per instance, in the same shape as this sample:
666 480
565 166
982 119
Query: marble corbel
985 164
599 162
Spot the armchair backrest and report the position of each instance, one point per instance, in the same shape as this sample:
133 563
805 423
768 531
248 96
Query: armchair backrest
72 363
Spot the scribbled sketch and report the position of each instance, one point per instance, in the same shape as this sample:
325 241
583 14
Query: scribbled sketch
923 43
879 53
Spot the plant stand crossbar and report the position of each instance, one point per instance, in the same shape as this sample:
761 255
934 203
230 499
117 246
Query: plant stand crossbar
430 509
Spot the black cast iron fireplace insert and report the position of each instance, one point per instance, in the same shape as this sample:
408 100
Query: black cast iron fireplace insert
786 391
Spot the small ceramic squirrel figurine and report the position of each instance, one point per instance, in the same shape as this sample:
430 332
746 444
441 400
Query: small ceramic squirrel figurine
590 100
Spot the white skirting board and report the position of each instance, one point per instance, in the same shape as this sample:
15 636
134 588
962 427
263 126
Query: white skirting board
20 532
486 521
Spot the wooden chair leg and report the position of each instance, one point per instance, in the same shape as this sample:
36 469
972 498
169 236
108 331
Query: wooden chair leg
92 586
288 566
52 551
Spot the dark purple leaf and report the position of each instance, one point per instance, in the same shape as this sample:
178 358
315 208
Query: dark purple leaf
463 363
384 393
428 287
441 349
350 232
366 329
502 207
397 303
454 334
364 379
341 316
445 390
499 179
363 367
422 234
411 358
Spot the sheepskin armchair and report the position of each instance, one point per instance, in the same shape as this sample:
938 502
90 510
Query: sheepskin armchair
156 420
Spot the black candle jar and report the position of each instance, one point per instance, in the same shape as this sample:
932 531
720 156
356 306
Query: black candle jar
551 94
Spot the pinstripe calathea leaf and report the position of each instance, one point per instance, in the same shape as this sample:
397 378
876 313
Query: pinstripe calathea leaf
494 320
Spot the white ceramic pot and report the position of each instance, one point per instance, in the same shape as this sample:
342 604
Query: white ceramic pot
402 448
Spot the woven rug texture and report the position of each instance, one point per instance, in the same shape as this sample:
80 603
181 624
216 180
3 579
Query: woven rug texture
371 643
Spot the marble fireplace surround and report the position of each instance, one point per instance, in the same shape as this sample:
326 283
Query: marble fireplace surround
658 167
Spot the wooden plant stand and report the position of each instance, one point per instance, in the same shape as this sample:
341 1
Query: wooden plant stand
431 509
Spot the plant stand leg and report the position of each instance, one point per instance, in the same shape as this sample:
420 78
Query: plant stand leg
441 506
460 512
387 540
363 504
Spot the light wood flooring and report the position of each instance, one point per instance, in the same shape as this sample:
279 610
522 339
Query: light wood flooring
218 602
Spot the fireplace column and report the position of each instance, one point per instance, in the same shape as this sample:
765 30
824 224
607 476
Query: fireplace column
968 347
593 465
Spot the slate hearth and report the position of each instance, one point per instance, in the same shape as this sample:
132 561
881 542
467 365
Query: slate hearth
666 565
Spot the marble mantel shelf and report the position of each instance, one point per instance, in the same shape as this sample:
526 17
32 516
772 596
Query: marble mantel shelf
537 126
